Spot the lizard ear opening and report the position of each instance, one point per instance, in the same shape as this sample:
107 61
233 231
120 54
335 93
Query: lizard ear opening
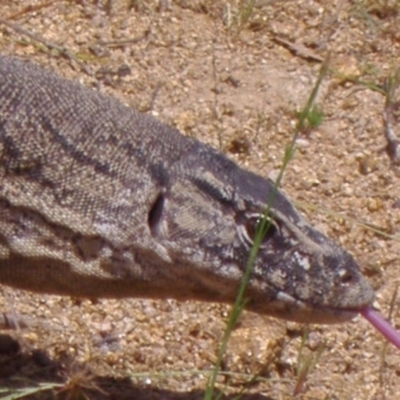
155 214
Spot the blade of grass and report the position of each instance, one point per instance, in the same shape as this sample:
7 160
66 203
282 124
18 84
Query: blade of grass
14 394
262 227
305 363
366 225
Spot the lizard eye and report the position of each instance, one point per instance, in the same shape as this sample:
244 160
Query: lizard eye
260 222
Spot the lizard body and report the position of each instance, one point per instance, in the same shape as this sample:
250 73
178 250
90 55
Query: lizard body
98 200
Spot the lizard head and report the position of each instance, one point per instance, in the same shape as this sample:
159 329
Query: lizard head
79 176
207 224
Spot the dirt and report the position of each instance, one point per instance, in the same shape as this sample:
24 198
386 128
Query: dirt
234 75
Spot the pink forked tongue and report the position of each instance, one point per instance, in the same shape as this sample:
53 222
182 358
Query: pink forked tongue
382 325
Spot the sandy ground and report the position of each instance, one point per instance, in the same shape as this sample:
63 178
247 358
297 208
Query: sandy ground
233 74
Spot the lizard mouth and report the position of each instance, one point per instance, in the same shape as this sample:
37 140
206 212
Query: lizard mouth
296 310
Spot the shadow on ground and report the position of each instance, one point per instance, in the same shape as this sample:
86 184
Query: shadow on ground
22 372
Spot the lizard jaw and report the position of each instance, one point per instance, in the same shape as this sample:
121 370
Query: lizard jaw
292 309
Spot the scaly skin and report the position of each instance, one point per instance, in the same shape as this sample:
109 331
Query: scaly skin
98 200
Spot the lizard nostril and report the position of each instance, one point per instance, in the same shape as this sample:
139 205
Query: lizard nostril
345 277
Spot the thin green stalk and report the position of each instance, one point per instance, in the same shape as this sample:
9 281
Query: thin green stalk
262 228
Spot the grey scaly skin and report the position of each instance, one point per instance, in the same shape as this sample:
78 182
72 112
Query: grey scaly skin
98 200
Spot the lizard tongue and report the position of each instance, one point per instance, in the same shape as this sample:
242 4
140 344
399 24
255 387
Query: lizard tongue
381 325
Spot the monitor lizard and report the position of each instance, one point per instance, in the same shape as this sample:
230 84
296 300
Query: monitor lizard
99 200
